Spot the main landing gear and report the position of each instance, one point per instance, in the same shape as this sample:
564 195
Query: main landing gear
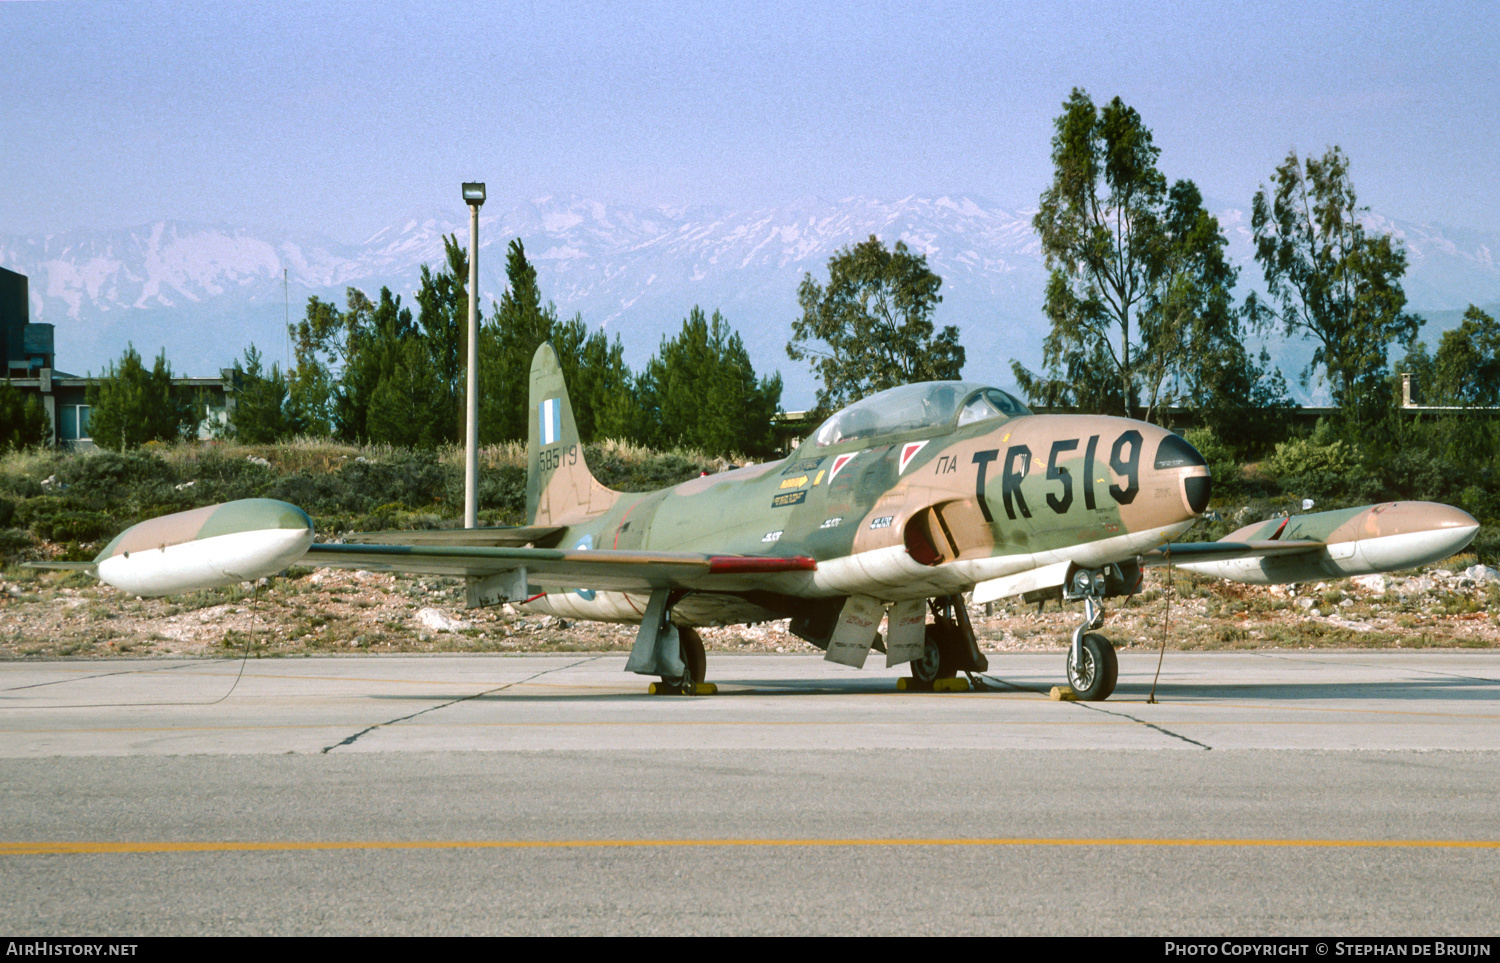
672 653
950 645
695 666
1093 668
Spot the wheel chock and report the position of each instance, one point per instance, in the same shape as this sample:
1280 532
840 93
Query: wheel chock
667 688
1063 693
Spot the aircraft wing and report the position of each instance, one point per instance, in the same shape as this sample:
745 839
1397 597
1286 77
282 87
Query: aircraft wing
91 567
510 537
605 569
1193 552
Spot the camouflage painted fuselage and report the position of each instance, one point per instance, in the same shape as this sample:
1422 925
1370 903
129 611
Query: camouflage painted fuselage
907 515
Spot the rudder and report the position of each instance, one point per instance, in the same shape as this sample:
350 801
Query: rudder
560 489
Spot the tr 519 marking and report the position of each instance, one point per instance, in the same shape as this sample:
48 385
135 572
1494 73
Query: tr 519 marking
1124 460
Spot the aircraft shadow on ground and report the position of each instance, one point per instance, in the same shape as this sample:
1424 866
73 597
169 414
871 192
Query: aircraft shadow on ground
1462 689
634 693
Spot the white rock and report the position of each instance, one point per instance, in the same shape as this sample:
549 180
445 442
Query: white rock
1373 583
1482 573
439 621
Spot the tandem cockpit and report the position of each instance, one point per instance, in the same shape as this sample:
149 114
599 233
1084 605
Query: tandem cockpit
926 407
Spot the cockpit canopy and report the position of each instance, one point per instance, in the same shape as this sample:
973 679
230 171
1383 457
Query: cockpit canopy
929 405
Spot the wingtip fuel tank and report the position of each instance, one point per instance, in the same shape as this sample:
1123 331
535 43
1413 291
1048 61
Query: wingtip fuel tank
1354 541
206 547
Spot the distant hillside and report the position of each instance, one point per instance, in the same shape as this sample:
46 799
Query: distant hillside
205 292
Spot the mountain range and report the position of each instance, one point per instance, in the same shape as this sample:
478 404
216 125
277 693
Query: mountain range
205 292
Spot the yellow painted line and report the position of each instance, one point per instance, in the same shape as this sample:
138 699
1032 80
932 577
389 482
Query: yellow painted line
87 847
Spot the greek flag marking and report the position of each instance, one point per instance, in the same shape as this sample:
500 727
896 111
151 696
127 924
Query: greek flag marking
550 414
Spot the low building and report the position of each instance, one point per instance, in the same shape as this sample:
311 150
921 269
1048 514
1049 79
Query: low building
26 350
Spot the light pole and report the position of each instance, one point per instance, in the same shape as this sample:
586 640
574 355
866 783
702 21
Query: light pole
474 197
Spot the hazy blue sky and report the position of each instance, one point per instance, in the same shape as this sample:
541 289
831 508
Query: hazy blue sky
341 117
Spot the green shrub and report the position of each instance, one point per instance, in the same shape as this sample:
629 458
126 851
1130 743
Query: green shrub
43 506
1223 465
75 526
104 478
503 490
16 545
1303 456
221 477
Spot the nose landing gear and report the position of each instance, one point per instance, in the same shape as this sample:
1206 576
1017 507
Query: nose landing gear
1093 668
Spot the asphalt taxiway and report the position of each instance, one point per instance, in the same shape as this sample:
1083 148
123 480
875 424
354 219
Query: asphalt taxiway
1264 793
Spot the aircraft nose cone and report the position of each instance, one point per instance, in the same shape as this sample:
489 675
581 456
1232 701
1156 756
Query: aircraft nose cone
1176 454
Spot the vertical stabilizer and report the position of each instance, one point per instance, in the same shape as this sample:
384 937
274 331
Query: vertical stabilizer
560 490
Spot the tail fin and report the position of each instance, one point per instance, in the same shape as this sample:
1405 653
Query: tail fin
560 490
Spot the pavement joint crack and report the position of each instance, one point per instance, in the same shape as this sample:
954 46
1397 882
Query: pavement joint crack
1013 685
1096 707
1099 708
103 675
453 702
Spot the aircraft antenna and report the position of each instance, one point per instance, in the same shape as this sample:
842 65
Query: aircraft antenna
1166 620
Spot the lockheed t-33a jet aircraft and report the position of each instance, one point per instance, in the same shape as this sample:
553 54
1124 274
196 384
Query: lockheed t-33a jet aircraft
893 510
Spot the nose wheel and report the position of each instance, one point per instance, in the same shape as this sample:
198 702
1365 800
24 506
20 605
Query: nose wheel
1093 675
1093 668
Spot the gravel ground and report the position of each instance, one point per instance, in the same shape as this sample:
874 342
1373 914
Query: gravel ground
52 615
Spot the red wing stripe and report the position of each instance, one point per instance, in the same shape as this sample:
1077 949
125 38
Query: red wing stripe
740 564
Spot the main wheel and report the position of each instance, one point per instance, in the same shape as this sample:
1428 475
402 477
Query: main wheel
938 657
1095 678
693 655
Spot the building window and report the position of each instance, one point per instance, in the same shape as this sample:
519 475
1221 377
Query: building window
75 423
